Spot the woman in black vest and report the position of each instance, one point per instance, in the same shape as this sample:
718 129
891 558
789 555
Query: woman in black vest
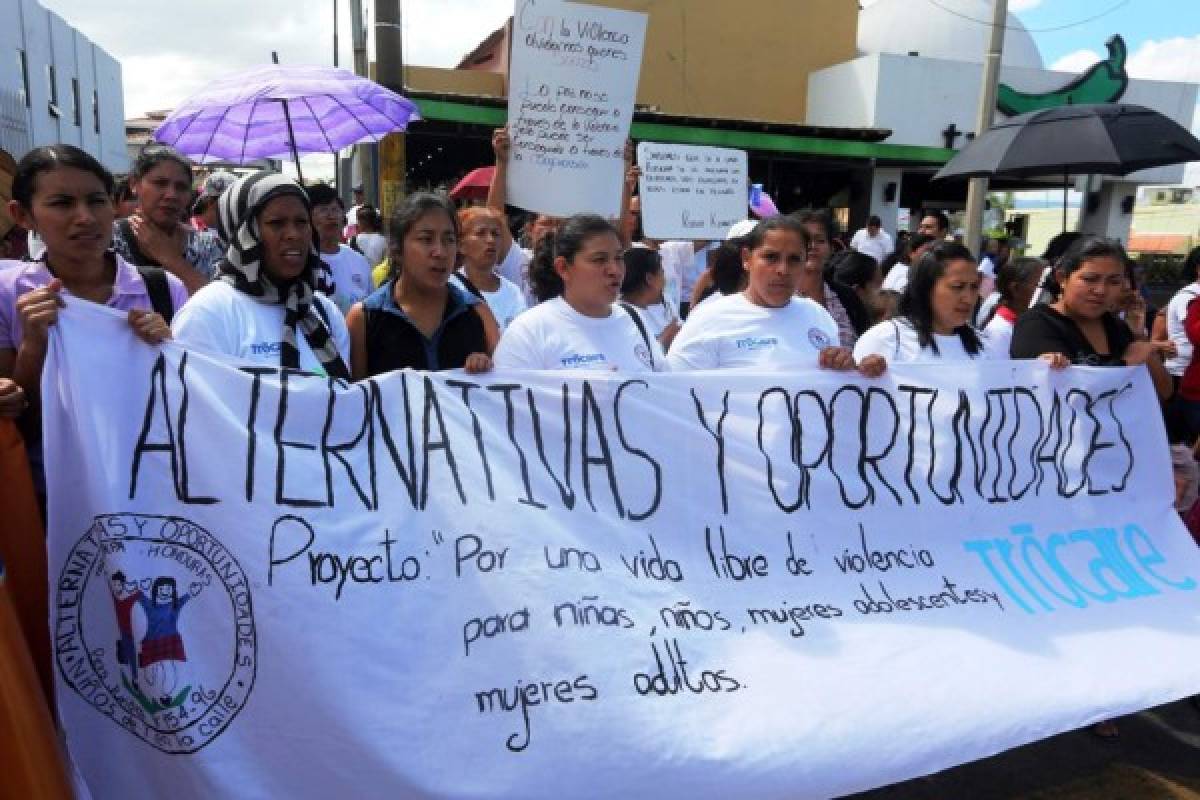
417 319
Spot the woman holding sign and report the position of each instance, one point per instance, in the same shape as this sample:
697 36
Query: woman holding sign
767 325
934 315
578 324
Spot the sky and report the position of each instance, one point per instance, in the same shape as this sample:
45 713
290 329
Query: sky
168 51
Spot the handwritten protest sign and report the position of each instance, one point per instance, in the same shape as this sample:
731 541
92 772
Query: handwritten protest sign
573 80
267 584
690 192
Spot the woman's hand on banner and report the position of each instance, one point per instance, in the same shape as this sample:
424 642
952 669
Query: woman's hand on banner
38 311
872 366
1056 360
149 326
836 358
478 362
12 398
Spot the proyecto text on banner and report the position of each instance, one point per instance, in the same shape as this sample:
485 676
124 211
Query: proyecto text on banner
545 585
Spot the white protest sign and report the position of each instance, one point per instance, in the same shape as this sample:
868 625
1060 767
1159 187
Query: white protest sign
573 79
265 584
690 192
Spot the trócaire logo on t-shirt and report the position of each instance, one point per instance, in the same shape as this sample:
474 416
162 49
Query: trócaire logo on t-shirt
819 339
755 342
583 360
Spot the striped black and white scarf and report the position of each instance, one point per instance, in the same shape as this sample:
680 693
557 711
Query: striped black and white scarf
242 268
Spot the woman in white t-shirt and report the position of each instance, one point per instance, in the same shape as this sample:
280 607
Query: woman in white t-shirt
643 287
766 325
262 306
933 320
576 276
480 232
1016 282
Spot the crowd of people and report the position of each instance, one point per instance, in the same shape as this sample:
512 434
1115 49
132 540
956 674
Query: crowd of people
260 268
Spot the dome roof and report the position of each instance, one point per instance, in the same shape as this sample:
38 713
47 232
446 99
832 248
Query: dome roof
957 30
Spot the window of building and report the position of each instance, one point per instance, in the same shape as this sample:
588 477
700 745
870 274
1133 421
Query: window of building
52 89
23 63
76 106
96 110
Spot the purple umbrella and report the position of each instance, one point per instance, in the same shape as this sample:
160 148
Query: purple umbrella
275 111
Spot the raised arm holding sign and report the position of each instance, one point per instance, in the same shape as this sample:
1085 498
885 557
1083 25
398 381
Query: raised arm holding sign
572 84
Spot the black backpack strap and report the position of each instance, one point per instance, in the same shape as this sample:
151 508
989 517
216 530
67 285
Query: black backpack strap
641 326
136 256
466 282
159 291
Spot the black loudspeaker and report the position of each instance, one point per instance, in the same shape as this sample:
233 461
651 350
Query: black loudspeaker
889 192
1127 204
1093 202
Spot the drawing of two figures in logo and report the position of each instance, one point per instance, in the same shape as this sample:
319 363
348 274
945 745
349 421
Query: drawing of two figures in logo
154 667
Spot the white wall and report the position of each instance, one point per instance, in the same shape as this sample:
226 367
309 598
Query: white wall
844 96
917 98
47 39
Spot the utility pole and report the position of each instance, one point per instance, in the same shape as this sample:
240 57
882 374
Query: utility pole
389 71
364 153
978 187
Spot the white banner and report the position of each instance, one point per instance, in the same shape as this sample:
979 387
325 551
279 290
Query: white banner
573 80
691 192
267 584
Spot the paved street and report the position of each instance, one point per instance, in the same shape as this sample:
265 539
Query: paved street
1156 756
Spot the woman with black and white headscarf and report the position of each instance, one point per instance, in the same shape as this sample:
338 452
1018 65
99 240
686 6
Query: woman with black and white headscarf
263 305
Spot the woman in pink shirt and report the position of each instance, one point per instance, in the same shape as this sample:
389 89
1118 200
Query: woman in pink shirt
65 196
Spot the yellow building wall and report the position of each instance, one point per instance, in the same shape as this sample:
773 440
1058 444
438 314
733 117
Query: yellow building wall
733 59
739 59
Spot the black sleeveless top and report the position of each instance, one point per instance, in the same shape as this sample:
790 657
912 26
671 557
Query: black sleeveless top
394 342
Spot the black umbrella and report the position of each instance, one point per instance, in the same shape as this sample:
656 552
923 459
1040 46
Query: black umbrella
1101 139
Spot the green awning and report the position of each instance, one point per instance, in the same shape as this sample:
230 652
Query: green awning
490 116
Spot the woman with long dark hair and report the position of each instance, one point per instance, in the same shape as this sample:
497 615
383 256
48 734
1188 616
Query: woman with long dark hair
842 303
1080 327
642 288
65 196
767 324
1016 281
576 276
155 235
418 319
933 319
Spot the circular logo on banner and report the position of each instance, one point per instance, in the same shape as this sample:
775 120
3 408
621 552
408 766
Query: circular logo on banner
154 628
819 339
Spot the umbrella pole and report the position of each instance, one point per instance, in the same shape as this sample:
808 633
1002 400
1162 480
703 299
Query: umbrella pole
287 115
1063 199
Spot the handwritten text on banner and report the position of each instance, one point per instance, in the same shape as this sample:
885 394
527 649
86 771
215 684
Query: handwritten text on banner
266 584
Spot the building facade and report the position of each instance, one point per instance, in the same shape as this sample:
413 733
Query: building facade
57 86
